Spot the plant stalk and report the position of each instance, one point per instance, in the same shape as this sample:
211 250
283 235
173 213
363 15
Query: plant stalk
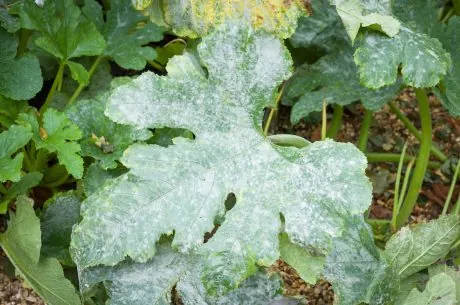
422 159
397 183
83 86
437 153
24 35
272 112
324 121
56 81
336 122
364 130
394 158
451 189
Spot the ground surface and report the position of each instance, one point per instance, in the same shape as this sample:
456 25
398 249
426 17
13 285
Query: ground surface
387 134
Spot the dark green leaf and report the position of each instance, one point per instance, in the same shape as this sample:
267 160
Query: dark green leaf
10 141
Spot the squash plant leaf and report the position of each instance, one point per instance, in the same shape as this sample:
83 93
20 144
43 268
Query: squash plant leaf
8 22
10 141
423 58
61 213
450 271
21 243
21 187
356 270
440 290
21 77
65 32
96 176
308 266
315 188
198 18
166 270
126 32
57 134
103 139
374 14
333 77
410 251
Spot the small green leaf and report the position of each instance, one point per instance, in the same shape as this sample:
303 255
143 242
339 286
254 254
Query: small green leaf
65 32
127 32
21 187
61 214
10 141
440 290
78 72
21 243
307 265
412 250
20 78
374 14
103 139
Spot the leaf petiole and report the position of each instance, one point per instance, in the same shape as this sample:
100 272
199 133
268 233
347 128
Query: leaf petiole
83 86
364 130
56 82
336 122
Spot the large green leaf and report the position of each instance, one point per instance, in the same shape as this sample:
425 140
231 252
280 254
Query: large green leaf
198 18
183 187
57 134
21 243
10 141
370 13
96 176
124 34
410 251
356 270
62 212
440 290
103 139
451 271
166 270
20 78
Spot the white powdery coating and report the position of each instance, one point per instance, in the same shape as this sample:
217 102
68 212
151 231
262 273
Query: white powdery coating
182 188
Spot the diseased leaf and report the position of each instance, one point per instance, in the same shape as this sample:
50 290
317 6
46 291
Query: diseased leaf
453 272
308 266
440 290
57 135
61 214
20 78
199 18
10 141
417 281
96 176
65 32
21 243
103 139
355 269
168 269
316 188
125 38
409 251
370 13
21 187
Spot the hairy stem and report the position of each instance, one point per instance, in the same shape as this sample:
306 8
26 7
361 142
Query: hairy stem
437 153
364 130
422 159
83 86
54 86
451 189
336 122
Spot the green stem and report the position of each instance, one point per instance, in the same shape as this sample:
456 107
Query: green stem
272 112
83 86
422 159
451 189
437 153
24 35
394 158
56 81
364 130
288 140
27 162
336 122
3 189
324 121
58 182
456 209
156 66
40 161
397 183
456 4
449 14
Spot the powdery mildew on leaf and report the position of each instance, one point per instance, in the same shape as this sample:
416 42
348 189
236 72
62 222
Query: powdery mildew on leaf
152 282
182 188
440 290
198 18
410 251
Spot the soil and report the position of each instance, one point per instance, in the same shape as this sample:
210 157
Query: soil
387 134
